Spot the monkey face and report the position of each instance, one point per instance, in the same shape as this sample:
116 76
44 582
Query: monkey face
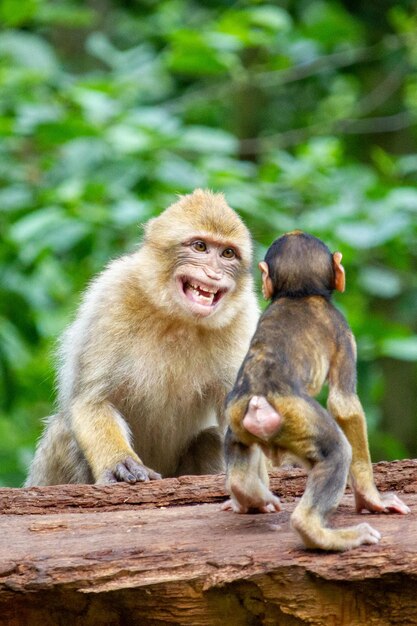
196 258
205 275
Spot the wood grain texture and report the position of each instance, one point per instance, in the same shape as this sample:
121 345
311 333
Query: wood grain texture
164 553
287 483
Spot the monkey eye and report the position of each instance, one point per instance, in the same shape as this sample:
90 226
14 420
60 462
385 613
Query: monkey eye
199 246
229 253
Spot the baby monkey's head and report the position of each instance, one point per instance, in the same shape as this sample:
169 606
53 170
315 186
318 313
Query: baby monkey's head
297 265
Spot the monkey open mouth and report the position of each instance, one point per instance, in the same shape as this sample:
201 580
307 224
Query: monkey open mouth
200 294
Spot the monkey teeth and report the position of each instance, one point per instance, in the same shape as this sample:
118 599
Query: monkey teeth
200 294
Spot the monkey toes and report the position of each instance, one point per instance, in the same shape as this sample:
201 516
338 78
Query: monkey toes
129 471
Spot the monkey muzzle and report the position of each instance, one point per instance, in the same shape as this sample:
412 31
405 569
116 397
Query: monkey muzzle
201 298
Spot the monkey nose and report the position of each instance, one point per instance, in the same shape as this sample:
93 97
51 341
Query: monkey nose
212 273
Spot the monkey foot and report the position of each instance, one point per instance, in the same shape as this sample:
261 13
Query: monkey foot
366 534
315 536
354 536
129 471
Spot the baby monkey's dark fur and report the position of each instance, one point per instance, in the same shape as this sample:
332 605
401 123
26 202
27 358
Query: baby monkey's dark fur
301 341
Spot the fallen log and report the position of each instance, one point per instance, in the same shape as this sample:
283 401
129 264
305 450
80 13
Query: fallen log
164 553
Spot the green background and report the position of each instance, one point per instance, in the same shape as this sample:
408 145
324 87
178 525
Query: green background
302 112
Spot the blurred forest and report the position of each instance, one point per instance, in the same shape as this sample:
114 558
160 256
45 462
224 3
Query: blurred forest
303 112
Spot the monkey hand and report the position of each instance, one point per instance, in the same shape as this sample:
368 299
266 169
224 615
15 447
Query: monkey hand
261 501
377 503
129 470
237 507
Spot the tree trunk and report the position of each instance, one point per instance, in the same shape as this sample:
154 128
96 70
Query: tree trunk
164 553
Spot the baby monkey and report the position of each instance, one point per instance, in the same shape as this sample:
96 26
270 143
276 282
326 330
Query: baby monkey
301 341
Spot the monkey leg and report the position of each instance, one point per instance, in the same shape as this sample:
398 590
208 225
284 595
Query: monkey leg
104 438
325 487
324 490
58 459
247 478
315 536
349 414
204 454
309 432
261 419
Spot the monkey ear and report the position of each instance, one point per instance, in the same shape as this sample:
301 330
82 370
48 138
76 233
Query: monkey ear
267 286
339 272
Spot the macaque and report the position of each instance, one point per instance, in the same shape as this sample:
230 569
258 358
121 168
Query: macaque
301 341
153 351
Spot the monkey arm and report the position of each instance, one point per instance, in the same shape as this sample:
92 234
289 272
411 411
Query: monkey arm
347 410
345 406
103 436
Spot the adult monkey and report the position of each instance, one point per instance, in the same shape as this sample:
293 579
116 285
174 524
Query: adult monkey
155 347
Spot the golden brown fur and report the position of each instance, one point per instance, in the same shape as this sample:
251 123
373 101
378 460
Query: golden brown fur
300 342
145 366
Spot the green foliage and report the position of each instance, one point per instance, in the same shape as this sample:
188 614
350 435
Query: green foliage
303 113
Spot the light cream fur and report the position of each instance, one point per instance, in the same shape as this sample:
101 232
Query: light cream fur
140 375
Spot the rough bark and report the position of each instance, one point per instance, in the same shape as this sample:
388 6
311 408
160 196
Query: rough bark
164 553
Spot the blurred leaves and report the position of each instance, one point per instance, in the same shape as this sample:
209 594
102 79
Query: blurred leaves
28 51
304 114
403 349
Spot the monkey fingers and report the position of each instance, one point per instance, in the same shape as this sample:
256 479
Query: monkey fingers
253 496
233 505
129 471
237 507
393 504
377 503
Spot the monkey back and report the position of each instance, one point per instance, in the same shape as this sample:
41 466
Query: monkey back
292 348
